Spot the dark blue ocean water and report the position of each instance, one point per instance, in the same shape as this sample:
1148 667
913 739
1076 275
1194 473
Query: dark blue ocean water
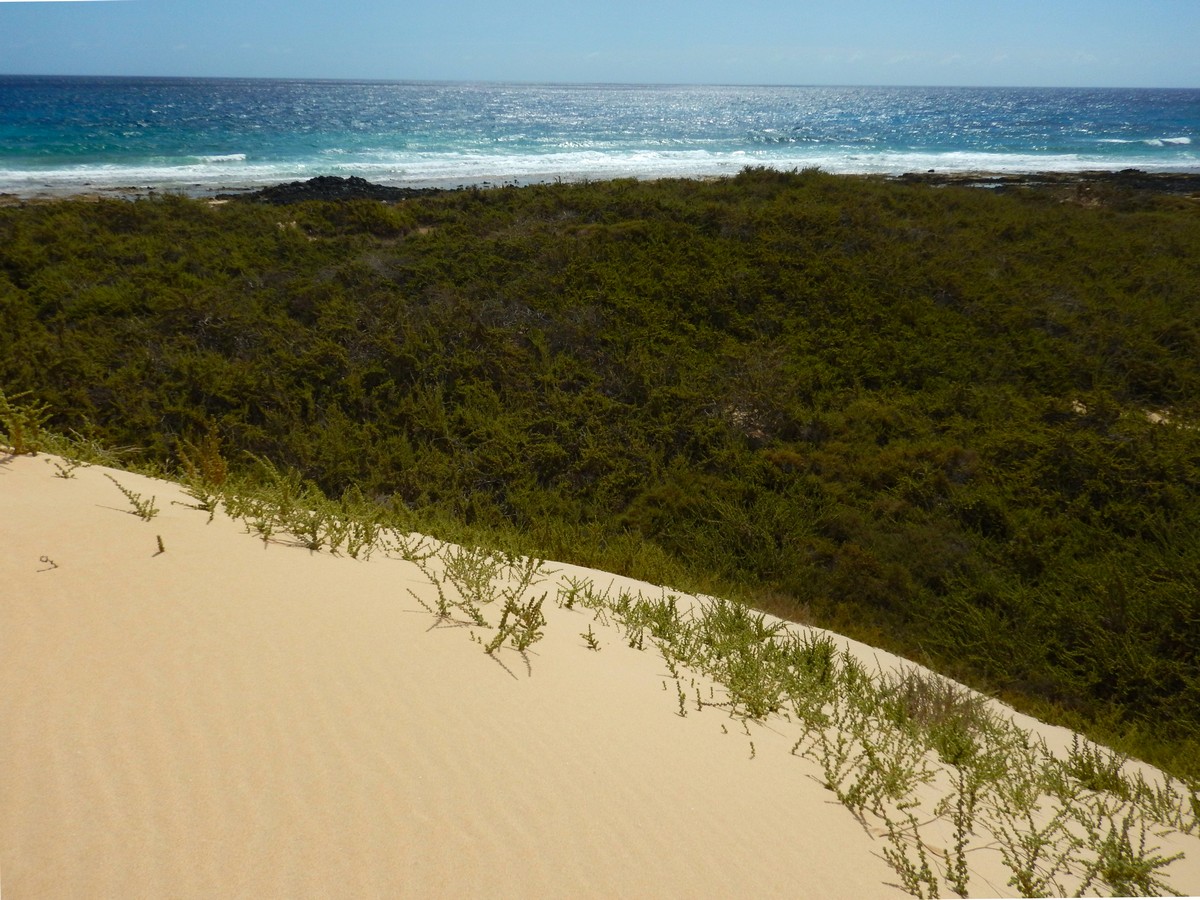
201 135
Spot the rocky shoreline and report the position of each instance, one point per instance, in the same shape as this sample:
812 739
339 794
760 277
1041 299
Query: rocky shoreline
329 187
333 188
1182 183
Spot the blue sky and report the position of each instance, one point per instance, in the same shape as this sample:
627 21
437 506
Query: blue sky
1091 43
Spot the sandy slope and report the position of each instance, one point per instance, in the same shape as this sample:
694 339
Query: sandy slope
237 719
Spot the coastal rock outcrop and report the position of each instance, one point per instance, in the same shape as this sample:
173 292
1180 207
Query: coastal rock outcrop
328 187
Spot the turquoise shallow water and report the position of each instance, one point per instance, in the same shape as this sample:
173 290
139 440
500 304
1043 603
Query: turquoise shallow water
203 135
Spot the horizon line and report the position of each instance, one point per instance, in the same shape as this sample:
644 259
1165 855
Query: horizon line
571 83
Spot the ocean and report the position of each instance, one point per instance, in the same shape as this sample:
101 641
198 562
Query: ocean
202 136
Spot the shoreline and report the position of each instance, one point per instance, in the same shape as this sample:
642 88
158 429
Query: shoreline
1184 183
333 187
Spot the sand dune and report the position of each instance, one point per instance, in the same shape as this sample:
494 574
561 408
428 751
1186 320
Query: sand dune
234 718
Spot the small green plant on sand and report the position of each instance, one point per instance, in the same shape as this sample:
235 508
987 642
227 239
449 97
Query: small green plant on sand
66 468
571 591
205 472
916 875
1125 869
142 508
23 421
470 579
521 622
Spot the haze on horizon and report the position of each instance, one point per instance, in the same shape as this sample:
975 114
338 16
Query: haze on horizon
1052 43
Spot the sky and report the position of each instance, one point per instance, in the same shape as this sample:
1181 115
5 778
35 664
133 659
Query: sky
1051 43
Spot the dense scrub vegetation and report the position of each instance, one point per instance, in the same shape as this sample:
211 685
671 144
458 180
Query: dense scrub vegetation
930 417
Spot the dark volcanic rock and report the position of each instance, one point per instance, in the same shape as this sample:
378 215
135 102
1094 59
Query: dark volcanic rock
1182 183
328 187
